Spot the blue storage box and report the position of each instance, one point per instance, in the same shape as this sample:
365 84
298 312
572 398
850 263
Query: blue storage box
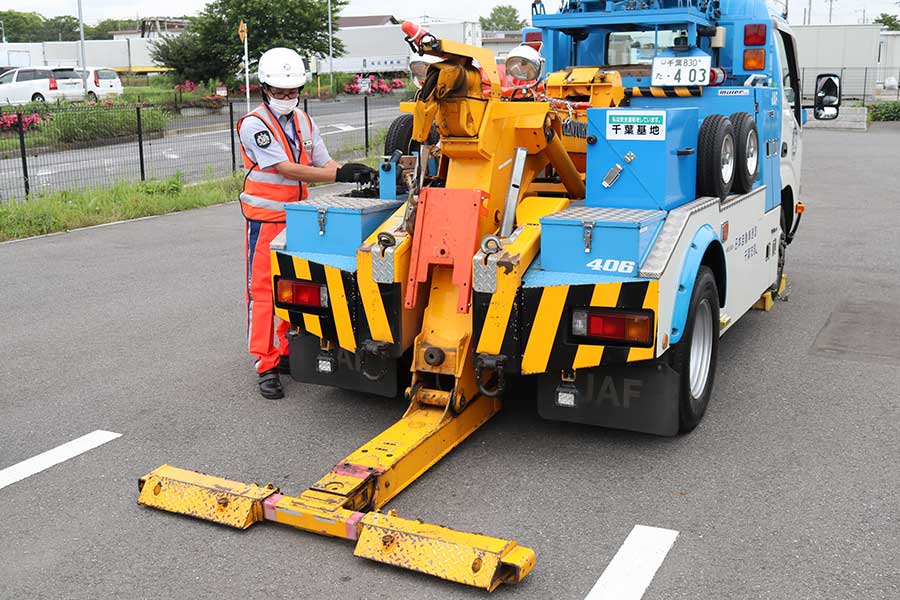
334 224
642 158
607 241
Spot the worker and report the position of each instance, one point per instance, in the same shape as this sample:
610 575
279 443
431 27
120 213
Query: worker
282 151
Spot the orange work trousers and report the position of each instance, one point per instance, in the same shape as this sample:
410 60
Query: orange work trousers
262 330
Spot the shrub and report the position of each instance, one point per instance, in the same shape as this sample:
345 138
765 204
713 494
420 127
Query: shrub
211 101
10 121
95 123
886 111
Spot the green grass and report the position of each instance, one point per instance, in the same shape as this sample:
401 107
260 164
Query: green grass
62 211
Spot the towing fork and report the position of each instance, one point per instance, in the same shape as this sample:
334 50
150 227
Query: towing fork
346 502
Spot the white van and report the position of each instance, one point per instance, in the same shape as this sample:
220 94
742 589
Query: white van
29 84
68 80
103 83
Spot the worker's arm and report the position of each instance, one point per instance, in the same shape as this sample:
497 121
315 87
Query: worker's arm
307 174
331 171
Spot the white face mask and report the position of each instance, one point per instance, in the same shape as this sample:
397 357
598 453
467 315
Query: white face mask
283 107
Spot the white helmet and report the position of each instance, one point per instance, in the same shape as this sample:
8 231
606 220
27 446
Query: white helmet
281 68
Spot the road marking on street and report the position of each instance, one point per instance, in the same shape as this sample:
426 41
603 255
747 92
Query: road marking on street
45 460
631 570
190 135
344 129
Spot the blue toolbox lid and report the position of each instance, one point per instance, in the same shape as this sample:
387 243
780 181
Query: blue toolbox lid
578 213
344 204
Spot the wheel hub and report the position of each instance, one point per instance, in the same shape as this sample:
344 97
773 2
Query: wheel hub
701 350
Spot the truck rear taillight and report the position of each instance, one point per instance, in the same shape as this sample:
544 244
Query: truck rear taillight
53 85
606 325
301 293
755 59
534 39
755 34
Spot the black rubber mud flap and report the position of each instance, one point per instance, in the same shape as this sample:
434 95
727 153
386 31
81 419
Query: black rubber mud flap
347 368
639 397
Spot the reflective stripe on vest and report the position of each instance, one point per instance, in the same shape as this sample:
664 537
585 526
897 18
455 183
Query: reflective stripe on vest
266 190
257 202
269 177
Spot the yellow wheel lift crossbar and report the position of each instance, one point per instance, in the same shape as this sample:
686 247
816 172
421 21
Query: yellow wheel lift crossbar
345 502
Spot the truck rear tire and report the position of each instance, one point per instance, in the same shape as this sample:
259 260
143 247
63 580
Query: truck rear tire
399 136
746 139
695 355
716 157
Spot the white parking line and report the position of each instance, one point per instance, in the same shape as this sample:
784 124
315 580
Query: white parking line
631 570
45 460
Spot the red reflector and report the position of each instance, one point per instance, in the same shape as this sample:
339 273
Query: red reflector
53 84
301 293
755 34
534 39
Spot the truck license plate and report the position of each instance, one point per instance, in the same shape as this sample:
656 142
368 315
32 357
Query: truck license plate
689 70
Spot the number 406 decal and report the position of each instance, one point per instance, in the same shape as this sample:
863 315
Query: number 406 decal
611 265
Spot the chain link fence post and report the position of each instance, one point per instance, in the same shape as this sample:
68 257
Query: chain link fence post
21 124
366 120
140 132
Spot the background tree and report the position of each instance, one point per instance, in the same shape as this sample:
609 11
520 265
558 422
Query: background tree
504 17
892 22
61 29
212 44
103 30
186 55
22 26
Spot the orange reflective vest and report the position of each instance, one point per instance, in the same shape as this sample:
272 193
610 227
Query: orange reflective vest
266 191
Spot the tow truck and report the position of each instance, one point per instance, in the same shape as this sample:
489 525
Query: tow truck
593 231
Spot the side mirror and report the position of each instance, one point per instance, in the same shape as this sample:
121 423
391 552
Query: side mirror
828 97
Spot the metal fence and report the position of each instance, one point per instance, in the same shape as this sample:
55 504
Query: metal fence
865 84
73 147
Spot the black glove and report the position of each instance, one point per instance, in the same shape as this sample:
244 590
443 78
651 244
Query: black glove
354 173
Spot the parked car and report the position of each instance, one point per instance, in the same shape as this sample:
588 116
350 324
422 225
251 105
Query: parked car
68 80
29 84
102 83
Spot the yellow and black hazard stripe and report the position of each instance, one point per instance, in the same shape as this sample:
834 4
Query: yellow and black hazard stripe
344 321
663 92
538 336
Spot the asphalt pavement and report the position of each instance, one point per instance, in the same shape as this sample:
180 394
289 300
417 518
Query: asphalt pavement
787 490
197 146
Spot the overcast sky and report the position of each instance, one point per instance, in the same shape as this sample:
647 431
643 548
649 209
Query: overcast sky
845 11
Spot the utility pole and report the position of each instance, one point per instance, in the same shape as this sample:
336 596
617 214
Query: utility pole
2 32
81 43
809 14
330 53
830 10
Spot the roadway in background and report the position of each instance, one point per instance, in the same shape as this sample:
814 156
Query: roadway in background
788 489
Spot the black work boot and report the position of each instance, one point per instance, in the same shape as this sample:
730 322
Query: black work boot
270 385
284 365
